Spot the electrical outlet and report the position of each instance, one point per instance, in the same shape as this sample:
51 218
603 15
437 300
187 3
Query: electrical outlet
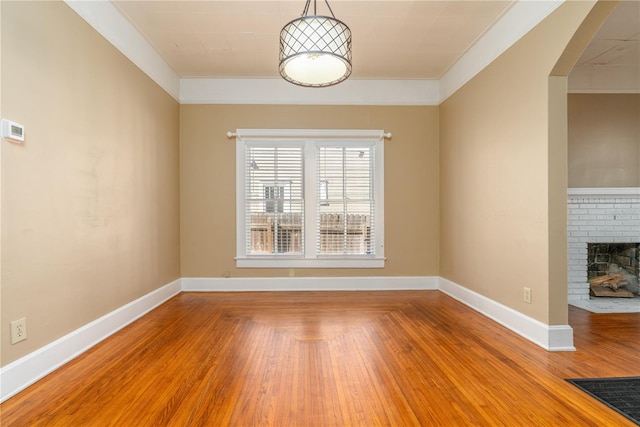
527 295
18 330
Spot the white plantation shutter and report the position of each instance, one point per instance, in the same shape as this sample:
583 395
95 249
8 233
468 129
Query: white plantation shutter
346 217
274 199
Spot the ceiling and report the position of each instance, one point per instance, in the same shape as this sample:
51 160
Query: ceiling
398 39
617 43
401 39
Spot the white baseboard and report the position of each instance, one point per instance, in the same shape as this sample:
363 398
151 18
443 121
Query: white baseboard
552 338
25 371
249 284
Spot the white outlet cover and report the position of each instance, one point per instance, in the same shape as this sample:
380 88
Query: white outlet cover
18 330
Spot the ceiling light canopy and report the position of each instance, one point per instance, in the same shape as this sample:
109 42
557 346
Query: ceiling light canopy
315 50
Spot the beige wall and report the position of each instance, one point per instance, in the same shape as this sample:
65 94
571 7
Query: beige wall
501 219
207 165
90 212
604 140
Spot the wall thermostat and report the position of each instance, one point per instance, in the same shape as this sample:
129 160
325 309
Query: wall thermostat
12 130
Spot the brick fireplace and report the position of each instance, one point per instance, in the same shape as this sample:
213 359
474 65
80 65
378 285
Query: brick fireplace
598 215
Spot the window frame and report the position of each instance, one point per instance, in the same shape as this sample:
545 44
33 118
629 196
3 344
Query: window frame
309 139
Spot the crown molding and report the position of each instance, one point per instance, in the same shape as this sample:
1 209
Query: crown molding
103 16
603 79
514 23
606 91
520 18
278 91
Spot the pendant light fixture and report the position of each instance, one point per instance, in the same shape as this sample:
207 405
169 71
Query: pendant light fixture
315 50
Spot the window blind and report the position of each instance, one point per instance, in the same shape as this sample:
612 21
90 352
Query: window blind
346 206
274 200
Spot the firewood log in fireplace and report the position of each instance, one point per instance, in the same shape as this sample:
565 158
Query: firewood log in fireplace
613 281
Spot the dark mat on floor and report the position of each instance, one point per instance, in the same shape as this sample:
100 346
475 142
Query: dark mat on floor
620 394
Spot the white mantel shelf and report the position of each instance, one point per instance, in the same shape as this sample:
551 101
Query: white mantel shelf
616 191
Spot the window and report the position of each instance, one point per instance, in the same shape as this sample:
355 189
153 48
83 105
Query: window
345 215
274 198
310 198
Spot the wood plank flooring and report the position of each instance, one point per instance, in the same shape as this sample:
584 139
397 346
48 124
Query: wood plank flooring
402 358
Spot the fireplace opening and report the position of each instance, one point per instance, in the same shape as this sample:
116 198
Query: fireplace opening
613 269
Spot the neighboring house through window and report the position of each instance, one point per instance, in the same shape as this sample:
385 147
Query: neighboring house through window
310 198
274 195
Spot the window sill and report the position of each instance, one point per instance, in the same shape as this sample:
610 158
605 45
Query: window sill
328 262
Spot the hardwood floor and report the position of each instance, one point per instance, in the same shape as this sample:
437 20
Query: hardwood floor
330 358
